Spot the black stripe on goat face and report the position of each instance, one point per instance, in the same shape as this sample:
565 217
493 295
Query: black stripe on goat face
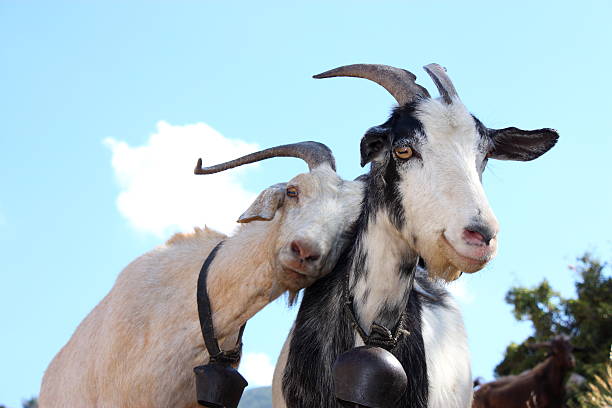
402 130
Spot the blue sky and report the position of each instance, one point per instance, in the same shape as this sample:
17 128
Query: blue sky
84 85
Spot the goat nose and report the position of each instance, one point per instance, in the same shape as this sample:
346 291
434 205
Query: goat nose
478 234
304 251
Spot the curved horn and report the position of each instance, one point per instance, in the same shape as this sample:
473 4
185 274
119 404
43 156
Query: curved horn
313 153
443 83
399 82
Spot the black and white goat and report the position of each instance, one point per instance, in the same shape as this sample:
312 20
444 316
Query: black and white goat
423 198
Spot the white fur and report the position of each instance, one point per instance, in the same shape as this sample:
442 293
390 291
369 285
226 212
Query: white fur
139 345
385 248
448 358
442 194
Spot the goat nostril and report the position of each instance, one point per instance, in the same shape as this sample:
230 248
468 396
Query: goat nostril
472 236
295 248
304 251
476 235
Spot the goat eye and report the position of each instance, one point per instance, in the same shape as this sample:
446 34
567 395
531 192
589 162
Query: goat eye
403 152
292 192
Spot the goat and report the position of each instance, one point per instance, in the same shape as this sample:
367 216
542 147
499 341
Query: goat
423 198
540 387
138 346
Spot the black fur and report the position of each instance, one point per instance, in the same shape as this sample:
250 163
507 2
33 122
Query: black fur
320 334
521 145
513 143
382 182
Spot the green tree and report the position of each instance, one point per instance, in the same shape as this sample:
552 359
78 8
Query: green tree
587 319
31 403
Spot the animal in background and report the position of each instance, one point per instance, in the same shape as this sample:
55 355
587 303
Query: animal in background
540 387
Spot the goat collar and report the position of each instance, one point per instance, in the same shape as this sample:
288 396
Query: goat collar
206 321
380 335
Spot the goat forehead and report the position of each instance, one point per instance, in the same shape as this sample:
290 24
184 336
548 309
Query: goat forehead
448 125
319 184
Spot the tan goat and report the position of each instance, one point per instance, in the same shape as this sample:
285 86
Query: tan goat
138 346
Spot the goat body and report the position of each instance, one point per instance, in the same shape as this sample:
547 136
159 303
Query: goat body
139 345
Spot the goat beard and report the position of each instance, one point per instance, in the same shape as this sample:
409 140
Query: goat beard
292 296
442 269
449 265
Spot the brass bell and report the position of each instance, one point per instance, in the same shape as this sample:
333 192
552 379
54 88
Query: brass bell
369 376
218 385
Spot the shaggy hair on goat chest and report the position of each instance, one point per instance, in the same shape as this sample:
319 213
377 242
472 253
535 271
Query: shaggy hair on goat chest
322 332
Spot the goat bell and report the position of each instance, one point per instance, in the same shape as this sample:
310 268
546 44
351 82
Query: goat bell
218 385
369 376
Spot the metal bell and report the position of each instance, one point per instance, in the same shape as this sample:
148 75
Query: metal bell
369 376
218 385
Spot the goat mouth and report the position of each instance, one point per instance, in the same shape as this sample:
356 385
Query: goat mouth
295 273
463 263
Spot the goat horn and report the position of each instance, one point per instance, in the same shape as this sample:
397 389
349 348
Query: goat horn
399 82
443 83
313 153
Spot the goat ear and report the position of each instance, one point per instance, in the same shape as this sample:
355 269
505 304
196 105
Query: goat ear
373 143
521 145
265 205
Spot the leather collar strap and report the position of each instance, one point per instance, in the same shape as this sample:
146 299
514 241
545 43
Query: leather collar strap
379 336
206 321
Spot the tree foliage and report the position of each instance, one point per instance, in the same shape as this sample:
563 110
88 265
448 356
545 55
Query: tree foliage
587 319
31 403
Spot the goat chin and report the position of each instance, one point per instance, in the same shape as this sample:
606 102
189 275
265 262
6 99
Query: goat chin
441 268
448 264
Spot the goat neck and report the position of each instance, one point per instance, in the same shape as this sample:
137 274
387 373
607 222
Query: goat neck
234 300
379 277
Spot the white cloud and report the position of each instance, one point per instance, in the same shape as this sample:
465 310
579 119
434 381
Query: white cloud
257 368
159 192
459 289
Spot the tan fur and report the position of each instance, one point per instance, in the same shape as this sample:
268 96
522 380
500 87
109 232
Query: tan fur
278 399
138 346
